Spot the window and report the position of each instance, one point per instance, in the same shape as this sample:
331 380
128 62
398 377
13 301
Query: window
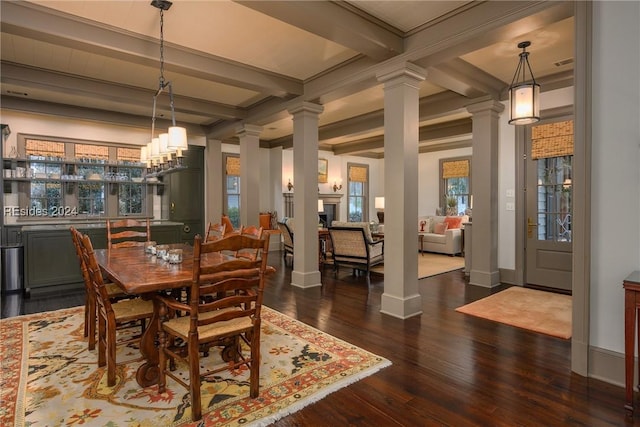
130 195
91 195
358 192
455 188
45 196
232 188
67 177
552 150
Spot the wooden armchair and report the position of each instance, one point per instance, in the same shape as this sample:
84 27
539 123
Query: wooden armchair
224 308
287 238
125 233
354 247
214 232
251 231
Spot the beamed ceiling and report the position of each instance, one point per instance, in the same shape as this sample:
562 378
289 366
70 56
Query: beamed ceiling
235 62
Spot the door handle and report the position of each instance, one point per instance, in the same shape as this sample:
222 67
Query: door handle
173 207
530 226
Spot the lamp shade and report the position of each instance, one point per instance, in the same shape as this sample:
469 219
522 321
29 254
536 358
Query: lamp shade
143 154
379 202
525 104
164 144
177 138
155 148
320 206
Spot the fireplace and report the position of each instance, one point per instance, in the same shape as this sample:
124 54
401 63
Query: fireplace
331 204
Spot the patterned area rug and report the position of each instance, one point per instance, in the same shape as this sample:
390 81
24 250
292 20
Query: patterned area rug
49 378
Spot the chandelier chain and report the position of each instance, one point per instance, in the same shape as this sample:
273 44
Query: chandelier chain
161 48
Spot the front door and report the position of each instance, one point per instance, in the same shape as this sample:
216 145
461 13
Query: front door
548 243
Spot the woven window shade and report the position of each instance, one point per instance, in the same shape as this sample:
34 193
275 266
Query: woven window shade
128 154
455 169
86 151
233 166
357 174
552 140
36 147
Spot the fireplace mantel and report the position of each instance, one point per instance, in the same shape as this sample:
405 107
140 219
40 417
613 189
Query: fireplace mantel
327 199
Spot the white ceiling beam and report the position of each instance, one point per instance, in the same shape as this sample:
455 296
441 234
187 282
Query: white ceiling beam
33 21
32 78
461 77
333 22
90 114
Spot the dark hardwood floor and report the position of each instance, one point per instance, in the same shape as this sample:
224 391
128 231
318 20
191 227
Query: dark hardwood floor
449 369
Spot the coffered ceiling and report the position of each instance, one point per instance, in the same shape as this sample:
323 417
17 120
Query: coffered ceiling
249 61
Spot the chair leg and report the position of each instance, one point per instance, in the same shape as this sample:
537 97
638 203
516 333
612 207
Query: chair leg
91 320
194 379
111 354
102 343
86 317
254 375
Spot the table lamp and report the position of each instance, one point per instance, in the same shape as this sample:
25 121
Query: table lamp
379 203
320 209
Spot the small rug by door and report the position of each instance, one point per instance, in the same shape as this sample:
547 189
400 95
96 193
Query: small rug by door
49 378
545 312
430 264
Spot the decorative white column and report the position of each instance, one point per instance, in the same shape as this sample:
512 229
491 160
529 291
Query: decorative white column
484 181
249 136
213 181
401 116
305 272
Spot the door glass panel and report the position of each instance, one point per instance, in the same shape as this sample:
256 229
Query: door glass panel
554 192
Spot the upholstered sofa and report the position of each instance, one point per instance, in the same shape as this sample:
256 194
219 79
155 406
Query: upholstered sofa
441 234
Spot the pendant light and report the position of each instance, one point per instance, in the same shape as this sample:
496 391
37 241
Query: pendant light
524 92
175 139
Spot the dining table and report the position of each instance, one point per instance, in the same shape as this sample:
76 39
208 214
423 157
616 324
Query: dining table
137 272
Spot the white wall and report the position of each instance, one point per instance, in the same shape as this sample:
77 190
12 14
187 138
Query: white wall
429 178
62 127
615 203
337 173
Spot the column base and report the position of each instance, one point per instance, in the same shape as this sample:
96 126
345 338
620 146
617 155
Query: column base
402 308
305 280
484 279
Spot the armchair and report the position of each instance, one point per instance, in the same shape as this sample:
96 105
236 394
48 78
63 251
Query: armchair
353 246
287 238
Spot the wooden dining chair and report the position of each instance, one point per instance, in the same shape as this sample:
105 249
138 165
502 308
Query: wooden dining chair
224 308
214 232
112 315
113 291
251 231
124 233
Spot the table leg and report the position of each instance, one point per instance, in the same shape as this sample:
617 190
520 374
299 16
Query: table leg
629 348
148 372
421 238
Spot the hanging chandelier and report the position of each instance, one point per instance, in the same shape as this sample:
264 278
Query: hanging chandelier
524 92
164 153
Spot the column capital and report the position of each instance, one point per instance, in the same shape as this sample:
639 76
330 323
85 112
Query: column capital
246 129
486 105
306 107
408 71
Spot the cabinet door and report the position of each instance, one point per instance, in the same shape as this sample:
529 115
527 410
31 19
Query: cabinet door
186 194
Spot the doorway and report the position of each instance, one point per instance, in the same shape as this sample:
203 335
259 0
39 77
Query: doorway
548 205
